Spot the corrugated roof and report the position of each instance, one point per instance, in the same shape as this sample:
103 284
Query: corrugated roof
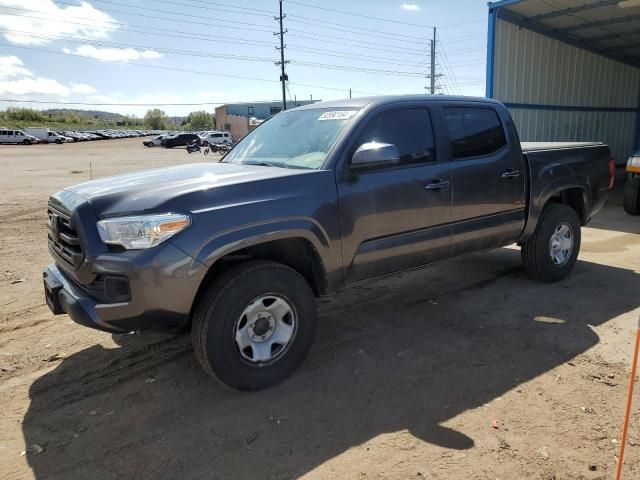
608 27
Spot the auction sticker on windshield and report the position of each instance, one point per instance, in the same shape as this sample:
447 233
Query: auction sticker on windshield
337 115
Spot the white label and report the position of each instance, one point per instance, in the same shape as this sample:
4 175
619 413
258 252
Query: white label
337 115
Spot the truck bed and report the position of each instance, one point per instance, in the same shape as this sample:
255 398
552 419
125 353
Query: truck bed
539 146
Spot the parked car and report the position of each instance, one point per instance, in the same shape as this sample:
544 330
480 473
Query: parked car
631 197
180 140
16 136
154 142
45 135
315 199
216 138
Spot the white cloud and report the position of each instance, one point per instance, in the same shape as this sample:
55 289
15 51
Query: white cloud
11 66
45 18
32 86
82 88
17 81
114 54
411 7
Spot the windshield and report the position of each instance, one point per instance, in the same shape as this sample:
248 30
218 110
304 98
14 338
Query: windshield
295 139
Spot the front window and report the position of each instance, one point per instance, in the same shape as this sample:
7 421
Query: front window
295 139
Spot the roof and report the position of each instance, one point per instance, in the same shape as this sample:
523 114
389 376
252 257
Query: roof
380 100
607 27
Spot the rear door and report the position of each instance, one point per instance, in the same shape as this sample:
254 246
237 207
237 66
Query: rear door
395 217
488 177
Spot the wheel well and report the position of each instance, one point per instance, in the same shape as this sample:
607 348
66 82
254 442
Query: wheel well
297 253
574 198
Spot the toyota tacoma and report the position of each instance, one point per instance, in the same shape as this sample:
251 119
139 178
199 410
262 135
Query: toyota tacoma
313 200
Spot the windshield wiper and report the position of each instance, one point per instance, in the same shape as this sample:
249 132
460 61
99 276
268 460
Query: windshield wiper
262 163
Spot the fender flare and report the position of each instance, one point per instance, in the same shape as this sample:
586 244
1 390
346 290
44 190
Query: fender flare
539 199
232 240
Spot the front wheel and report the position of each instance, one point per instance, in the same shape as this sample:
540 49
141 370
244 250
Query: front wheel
26 142
551 252
254 325
58 141
631 197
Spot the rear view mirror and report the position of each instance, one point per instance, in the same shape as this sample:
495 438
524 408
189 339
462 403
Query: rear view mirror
373 155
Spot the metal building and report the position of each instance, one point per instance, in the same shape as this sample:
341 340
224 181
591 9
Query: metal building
568 69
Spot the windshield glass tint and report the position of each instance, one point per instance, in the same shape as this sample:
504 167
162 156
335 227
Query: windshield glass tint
295 139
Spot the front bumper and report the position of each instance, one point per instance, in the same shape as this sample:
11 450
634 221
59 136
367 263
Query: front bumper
64 296
163 283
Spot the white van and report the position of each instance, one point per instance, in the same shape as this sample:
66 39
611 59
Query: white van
16 136
216 138
45 135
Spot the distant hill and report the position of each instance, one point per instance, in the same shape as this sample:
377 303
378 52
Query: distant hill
99 114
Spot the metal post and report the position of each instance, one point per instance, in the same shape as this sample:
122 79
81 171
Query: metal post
282 62
433 63
349 93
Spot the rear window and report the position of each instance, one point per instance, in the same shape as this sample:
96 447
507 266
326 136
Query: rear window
474 132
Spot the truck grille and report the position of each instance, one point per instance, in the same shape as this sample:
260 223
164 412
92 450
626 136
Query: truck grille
63 237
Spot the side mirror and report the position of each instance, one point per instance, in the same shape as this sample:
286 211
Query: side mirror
373 155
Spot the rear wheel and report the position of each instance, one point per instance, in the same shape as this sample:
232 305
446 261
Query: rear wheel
551 252
631 198
254 325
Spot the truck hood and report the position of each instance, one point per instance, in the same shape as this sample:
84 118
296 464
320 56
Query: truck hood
182 188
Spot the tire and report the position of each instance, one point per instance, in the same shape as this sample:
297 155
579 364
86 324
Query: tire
26 142
58 142
220 315
538 252
631 197
205 143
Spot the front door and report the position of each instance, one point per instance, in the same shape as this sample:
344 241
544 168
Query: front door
396 217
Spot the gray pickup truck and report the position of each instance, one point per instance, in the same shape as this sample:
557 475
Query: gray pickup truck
313 200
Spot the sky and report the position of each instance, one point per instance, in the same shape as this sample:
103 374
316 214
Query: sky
161 52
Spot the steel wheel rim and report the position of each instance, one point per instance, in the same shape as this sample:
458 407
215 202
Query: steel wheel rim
561 244
265 329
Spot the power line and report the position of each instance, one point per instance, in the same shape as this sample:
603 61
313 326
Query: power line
323 37
15 100
109 2
350 42
365 31
265 13
358 14
184 70
234 40
348 55
205 54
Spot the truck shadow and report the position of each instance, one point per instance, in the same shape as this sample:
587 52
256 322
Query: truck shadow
403 354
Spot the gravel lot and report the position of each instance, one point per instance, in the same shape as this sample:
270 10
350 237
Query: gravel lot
405 379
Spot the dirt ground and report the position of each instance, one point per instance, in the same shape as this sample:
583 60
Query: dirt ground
405 378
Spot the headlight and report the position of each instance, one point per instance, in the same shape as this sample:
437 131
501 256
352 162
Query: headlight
633 165
142 231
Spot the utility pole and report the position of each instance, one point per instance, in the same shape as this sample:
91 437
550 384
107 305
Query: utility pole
432 77
282 62
349 93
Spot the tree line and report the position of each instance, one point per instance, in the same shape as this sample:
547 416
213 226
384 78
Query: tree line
154 119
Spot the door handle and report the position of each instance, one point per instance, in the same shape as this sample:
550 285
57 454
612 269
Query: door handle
437 185
510 173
